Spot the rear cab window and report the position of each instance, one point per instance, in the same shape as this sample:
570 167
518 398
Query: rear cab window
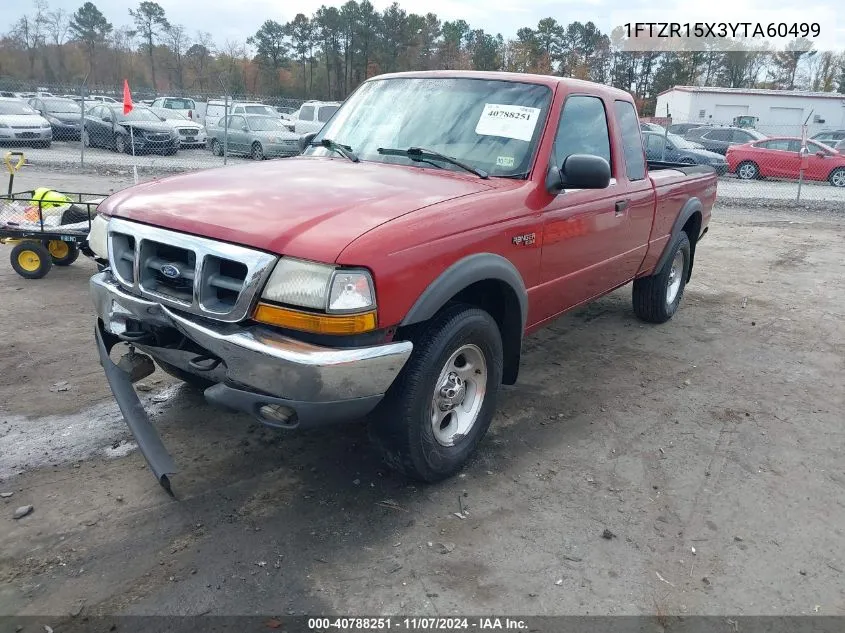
632 149
325 113
306 113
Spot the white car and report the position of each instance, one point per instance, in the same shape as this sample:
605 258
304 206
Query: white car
191 133
186 106
215 110
19 123
101 99
312 116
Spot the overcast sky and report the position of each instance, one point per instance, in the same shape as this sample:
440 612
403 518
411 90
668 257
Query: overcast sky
238 19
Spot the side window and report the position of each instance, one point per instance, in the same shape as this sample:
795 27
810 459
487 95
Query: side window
655 143
781 145
237 122
794 146
814 147
306 113
626 116
718 135
742 137
583 129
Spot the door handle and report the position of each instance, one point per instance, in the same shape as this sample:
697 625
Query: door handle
621 207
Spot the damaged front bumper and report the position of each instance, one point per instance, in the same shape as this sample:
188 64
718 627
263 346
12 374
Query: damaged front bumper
254 369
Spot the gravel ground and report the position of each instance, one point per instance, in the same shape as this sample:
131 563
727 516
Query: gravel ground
719 431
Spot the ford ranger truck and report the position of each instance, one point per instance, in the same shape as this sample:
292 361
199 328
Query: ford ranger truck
391 271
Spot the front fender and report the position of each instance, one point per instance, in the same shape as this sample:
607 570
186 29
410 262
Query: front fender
461 275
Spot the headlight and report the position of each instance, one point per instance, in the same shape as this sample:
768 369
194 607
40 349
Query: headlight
3 125
98 236
320 287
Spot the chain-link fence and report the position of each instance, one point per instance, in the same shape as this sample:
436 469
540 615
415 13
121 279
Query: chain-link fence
757 160
60 126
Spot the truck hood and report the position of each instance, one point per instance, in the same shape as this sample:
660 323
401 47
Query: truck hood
303 207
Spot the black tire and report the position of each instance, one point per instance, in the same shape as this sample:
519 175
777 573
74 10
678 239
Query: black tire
651 294
120 144
188 378
748 170
216 147
62 253
31 260
257 152
837 177
85 138
402 427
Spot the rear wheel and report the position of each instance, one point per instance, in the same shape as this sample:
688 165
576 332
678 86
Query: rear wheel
656 298
185 376
31 260
62 253
837 177
216 147
441 404
120 144
257 152
748 171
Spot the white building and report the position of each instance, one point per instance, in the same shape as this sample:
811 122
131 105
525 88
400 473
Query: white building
779 112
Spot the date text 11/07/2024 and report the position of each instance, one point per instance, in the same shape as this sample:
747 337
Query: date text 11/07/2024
722 29
416 624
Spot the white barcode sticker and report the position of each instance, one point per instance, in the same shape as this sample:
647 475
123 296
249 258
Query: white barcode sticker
508 121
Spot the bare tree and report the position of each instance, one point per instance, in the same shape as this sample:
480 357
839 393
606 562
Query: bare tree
178 42
28 32
199 58
58 27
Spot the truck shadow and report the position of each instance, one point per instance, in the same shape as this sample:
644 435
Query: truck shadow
317 504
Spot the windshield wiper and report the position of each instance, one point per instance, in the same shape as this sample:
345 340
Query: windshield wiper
343 150
422 154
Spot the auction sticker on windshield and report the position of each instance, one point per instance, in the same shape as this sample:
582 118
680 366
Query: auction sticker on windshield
508 121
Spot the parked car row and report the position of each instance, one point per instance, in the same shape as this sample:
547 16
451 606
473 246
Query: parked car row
749 153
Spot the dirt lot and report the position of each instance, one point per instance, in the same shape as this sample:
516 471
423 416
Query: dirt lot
719 431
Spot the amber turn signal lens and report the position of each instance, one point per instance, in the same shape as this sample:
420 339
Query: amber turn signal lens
317 323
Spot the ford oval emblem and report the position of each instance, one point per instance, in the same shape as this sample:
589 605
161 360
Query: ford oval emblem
171 271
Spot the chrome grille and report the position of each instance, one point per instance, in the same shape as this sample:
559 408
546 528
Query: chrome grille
205 277
158 138
188 131
26 127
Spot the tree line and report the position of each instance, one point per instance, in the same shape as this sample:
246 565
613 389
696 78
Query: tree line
328 54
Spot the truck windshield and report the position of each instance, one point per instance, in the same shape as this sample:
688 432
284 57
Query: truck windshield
491 125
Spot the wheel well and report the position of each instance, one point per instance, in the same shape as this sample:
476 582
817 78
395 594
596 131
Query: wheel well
499 300
692 228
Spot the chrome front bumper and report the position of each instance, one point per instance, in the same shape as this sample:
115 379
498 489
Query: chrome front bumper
257 357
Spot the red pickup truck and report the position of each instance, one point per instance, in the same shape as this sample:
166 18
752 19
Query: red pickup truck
392 270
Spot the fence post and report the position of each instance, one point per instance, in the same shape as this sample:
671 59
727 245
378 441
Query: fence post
82 126
226 129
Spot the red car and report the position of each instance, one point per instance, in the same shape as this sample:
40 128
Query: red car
393 269
781 158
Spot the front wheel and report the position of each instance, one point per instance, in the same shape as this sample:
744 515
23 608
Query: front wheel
657 297
837 177
216 147
120 144
257 152
441 404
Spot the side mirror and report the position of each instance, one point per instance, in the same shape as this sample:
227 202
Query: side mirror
580 171
821 154
305 140
245 129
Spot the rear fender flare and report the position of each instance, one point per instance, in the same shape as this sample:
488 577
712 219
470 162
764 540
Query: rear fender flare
690 208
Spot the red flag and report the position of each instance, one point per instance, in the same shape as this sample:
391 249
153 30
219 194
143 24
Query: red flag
127 98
